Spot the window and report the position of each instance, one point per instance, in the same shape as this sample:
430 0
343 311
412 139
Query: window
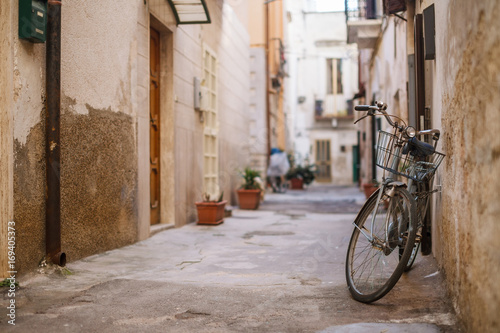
210 130
334 76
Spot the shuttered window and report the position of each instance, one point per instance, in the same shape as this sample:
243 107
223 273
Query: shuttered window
210 130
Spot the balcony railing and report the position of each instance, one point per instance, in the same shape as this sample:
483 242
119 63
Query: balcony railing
356 10
363 19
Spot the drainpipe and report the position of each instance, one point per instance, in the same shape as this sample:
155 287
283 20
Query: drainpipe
268 102
52 136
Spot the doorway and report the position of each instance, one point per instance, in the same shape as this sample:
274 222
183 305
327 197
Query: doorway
323 161
154 125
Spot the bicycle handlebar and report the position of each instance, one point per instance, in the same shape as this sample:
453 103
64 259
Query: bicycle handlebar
380 107
362 108
435 133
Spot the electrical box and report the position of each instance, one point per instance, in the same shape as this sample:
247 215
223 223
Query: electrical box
197 94
33 20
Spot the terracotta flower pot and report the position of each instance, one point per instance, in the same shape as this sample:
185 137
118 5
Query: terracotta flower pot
369 188
249 199
211 213
297 184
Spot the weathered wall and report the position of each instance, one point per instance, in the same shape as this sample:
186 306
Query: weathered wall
105 122
6 154
468 72
29 148
99 182
98 127
98 133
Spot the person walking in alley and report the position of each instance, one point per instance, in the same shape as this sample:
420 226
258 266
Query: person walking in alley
278 167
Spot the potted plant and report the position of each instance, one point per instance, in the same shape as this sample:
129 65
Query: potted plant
301 175
370 187
249 192
211 212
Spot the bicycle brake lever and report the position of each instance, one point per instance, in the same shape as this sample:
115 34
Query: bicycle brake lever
362 118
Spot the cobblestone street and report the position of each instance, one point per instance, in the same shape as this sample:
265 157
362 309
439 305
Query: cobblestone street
278 269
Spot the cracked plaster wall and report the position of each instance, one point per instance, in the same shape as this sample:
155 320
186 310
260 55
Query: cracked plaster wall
99 103
467 95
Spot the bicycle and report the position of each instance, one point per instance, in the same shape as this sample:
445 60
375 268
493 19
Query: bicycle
388 228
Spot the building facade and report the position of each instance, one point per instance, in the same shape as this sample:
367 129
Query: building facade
139 146
266 28
323 73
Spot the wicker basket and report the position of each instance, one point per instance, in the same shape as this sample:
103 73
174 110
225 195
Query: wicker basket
390 158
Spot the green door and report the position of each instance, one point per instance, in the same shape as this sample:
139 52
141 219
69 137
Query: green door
355 164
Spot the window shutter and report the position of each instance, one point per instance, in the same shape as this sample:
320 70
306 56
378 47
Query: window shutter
429 32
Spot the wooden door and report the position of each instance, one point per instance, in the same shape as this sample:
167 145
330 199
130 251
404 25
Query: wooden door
154 130
323 161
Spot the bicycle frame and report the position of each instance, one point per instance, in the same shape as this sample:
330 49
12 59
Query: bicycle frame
377 258
395 150
386 182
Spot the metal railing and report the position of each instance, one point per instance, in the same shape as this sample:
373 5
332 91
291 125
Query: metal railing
356 10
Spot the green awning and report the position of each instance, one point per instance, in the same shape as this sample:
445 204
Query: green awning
190 11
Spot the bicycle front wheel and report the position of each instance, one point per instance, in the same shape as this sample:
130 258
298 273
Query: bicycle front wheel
373 264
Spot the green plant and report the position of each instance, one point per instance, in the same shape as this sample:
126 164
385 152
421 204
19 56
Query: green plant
7 283
307 173
207 198
251 179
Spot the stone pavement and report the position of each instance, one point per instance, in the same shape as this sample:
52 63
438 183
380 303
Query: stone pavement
260 271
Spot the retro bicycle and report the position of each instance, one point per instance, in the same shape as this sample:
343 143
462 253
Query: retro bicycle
388 228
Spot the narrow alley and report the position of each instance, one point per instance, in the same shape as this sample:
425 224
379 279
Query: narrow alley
278 269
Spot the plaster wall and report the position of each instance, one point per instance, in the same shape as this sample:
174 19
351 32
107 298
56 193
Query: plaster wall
99 109
256 22
257 110
228 39
467 76
105 122
384 72
234 91
6 132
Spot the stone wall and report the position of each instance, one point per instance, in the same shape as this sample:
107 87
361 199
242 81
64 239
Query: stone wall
468 77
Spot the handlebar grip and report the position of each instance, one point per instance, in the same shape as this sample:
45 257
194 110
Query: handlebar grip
362 108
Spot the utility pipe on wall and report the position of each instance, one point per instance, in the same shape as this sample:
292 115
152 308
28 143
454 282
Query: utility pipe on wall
52 136
268 78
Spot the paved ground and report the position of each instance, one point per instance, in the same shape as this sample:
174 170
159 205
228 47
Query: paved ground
277 269
317 199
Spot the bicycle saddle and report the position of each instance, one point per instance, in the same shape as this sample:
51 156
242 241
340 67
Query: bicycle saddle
418 148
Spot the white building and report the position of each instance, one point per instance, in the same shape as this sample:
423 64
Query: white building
323 78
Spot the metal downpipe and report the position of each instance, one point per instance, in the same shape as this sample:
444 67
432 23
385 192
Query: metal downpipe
52 136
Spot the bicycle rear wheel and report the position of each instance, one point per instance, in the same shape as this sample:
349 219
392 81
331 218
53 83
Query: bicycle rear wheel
373 266
421 199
